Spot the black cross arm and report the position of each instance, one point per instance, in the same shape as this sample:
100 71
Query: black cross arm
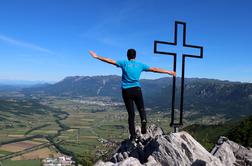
193 46
162 52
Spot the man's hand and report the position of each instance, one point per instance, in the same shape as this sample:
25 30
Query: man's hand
173 73
94 55
107 60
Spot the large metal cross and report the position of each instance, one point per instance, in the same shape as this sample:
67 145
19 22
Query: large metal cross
184 55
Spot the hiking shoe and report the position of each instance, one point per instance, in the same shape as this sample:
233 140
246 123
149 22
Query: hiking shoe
133 141
143 127
132 138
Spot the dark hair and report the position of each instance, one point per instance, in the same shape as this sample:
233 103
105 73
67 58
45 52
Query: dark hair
131 53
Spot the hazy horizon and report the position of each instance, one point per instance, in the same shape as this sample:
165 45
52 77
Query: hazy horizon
33 82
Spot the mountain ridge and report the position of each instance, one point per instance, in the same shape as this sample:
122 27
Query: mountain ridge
210 96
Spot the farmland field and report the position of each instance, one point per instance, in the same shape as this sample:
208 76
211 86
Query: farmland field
38 154
86 128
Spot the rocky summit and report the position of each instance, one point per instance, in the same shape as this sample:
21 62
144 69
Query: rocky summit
177 149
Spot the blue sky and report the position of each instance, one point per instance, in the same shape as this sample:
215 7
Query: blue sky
49 39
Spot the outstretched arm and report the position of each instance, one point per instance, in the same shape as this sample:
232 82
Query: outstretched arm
94 55
158 70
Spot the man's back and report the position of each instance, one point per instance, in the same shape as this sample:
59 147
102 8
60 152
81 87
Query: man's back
131 71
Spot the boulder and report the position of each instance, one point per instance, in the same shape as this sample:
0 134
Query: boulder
231 153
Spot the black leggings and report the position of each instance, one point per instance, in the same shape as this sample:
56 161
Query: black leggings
129 95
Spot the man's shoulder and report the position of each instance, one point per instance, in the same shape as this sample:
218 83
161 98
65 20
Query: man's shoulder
129 62
120 63
121 60
140 63
144 66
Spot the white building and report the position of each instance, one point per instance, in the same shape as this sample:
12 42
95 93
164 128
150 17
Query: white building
60 161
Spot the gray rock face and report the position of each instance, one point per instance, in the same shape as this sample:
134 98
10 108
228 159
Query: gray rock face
231 153
175 149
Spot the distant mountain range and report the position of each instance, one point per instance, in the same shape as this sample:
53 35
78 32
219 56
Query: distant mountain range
210 96
20 82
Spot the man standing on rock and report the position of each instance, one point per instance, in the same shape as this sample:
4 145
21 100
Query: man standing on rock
131 89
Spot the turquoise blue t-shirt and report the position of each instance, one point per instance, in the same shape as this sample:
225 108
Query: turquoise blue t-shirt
131 71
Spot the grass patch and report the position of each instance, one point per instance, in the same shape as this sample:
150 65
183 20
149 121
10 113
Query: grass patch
3 152
21 163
